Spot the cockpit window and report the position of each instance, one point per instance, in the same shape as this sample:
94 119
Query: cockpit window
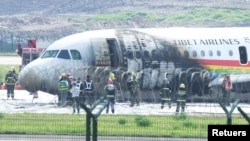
75 55
64 54
50 54
130 55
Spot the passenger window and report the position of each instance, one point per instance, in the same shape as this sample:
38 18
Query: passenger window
218 53
75 55
138 55
64 54
50 54
194 54
130 55
154 54
210 53
230 53
202 53
146 54
186 54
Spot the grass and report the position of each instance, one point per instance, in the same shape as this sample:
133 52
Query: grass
113 125
196 16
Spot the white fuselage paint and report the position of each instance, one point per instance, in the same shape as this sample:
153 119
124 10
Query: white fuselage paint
46 71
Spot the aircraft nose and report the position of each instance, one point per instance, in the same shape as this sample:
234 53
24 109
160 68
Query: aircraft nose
35 77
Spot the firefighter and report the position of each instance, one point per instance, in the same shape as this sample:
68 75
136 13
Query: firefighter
112 77
63 87
181 98
133 87
166 93
10 81
110 95
226 89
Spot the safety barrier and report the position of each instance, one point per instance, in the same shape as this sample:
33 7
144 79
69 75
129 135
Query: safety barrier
3 86
17 87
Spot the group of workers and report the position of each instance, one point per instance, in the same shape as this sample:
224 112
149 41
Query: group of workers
167 96
84 92
78 90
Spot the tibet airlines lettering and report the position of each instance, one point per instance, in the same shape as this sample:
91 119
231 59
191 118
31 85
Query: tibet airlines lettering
194 42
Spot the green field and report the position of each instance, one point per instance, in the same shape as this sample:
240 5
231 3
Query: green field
113 125
198 16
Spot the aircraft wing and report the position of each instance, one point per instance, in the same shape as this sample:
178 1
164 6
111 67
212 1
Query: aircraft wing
239 78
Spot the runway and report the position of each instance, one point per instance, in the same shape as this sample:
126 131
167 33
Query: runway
47 103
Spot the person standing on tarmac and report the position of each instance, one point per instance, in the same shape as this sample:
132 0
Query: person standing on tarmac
89 91
166 93
110 95
133 87
75 91
226 89
181 98
79 84
63 87
10 81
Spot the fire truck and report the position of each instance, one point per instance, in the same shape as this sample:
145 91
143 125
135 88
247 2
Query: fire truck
29 53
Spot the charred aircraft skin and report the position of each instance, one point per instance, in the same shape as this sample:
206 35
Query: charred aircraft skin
121 51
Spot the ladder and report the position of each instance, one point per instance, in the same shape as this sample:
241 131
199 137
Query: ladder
119 94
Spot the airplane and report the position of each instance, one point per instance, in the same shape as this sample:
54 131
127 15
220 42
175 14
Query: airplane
198 57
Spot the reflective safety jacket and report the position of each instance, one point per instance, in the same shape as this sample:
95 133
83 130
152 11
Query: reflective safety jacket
10 79
88 85
165 92
63 85
181 95
110 89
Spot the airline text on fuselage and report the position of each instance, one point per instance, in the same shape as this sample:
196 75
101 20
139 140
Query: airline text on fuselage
193 42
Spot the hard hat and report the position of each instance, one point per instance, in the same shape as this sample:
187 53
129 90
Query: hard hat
112 75
182 85
63 74
133 73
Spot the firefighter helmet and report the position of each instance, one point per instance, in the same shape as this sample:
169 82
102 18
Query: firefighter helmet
182 85
112 75
63 74
133 74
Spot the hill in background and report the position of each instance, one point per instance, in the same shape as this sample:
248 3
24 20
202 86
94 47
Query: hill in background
53 19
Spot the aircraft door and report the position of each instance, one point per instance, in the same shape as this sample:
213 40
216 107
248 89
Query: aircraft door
114 53
243 55
101 52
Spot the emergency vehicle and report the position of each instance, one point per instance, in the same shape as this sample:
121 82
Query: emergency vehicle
29 53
